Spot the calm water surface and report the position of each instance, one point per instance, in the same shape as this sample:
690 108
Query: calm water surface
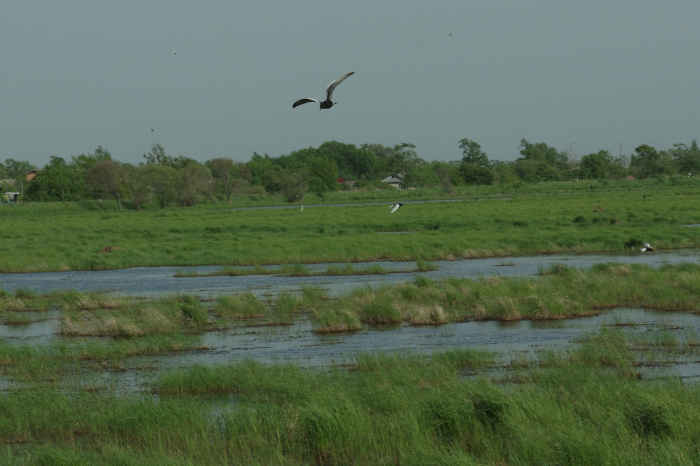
150 281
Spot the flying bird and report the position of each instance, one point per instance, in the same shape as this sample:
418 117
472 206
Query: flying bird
449 34
395 207
328 103
647 247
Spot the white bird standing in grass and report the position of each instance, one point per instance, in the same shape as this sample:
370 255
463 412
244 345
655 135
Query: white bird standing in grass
302 207
647 247
329 94
395 207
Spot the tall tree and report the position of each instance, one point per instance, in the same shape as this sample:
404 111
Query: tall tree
16 169
107 177
595 165
57 182
473 154
687 158
192 177
84 162
163 180
541 152
137 184
323 174
646 162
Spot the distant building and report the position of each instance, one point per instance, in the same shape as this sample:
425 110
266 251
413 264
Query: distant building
10 198
395 180
350 184
31 174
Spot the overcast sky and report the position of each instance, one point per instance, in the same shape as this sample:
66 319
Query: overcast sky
592 75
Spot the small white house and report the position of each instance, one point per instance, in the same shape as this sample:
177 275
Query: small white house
10 198
396 180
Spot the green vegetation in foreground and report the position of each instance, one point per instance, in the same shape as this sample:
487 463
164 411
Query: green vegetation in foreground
589 404
547 218
301 271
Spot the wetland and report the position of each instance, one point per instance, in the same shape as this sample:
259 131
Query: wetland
319 340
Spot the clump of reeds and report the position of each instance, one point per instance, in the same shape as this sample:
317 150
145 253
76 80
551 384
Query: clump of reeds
241 306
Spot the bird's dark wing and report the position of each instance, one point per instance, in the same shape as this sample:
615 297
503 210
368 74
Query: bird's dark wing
331 86
303 101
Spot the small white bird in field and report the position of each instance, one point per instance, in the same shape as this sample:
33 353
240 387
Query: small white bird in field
302 207
647 247
395 207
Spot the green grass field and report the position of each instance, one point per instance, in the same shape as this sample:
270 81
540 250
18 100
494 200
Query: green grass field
536 219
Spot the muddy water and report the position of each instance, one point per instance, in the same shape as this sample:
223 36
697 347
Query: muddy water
150 281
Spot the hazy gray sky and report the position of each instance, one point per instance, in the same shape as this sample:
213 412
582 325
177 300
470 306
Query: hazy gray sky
78 74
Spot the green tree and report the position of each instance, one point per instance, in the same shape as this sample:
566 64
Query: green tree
595 165
84 162
16 169
157 157
107 177
473 154
258 166
686 158
192 178
475 174
137 184
541 152
291 184
230 176
323 175
646 162
57 182
163 180
421 176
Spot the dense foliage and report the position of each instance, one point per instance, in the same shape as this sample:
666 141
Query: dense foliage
185 181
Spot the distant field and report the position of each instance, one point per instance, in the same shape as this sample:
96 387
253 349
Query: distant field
535 219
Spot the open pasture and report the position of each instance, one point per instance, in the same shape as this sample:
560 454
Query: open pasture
54 237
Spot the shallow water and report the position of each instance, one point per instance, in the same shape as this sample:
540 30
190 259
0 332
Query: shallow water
43 326
150 281
297 344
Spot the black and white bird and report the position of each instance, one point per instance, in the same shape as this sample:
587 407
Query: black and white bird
395 207
647 247
328 103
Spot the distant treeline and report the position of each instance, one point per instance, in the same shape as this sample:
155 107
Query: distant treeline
185 181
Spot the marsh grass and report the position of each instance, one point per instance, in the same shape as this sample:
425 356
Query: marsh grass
241 306
583 405
536 219
101 316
